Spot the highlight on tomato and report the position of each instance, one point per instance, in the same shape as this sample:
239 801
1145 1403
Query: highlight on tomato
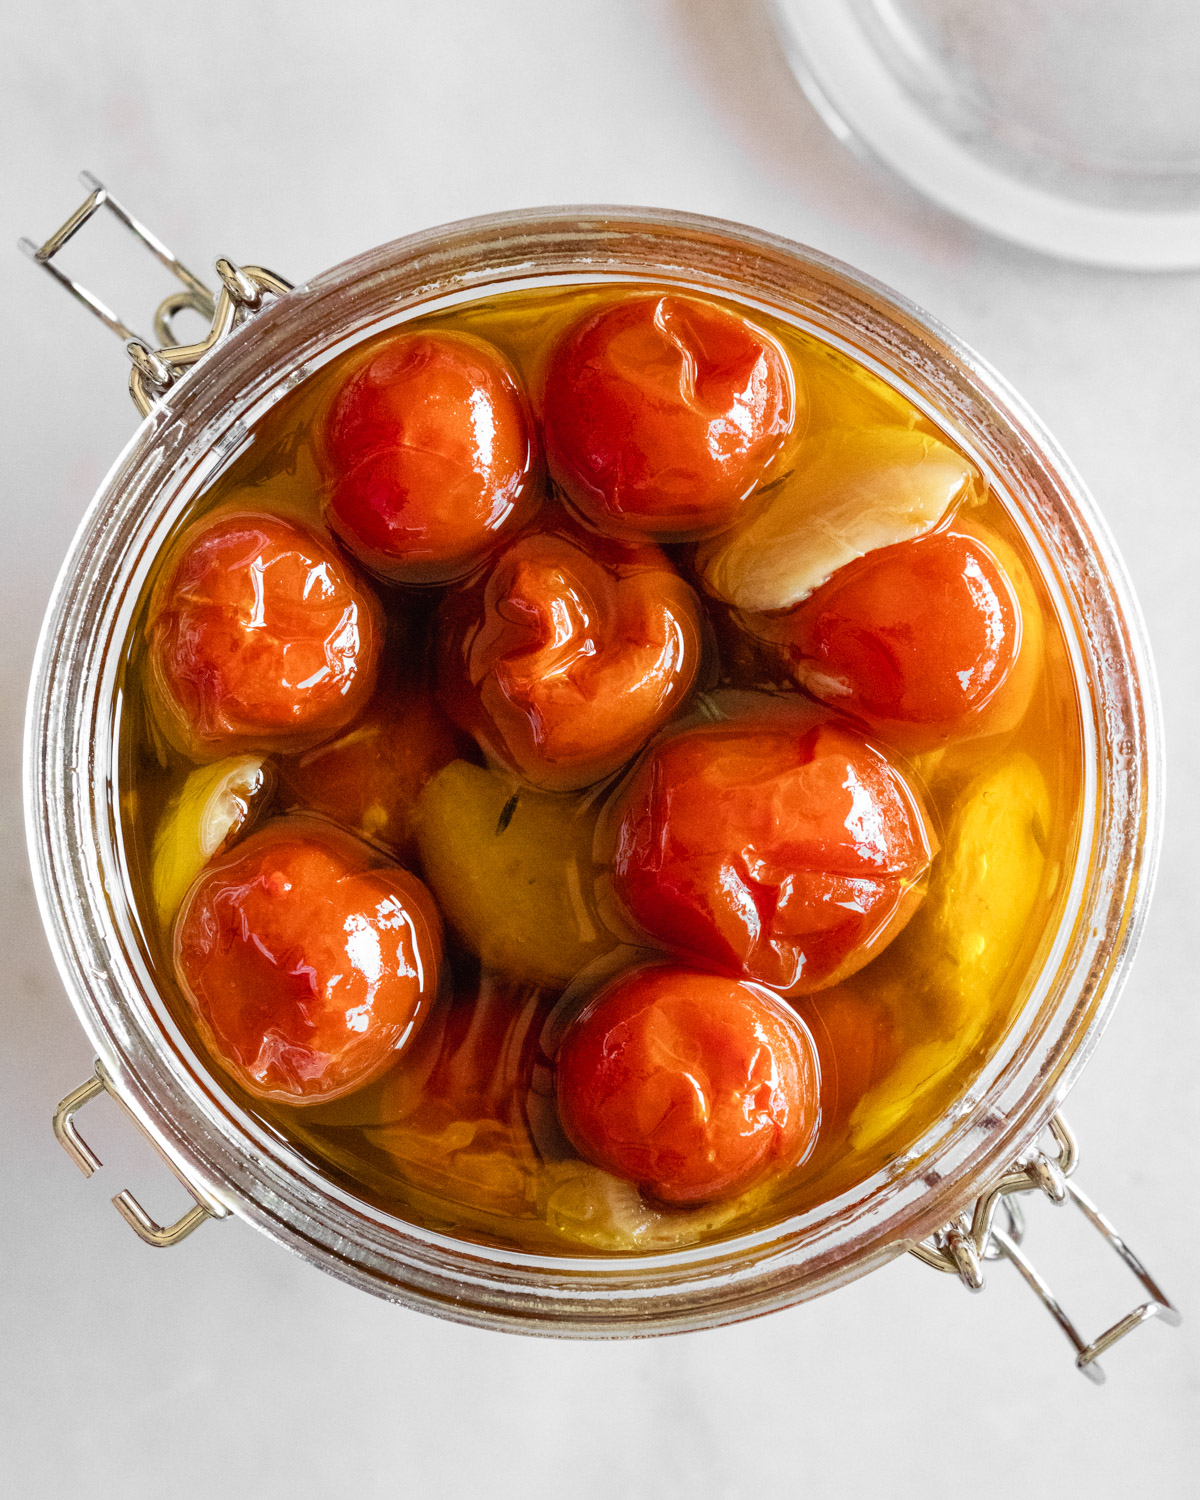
662 413
691 1084
308 960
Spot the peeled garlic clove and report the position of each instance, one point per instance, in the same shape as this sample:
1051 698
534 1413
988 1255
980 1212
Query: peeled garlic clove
968 936
987 884
582 1203
855 491
212 808
511 868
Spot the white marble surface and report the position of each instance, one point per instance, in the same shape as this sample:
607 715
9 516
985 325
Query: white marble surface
295 134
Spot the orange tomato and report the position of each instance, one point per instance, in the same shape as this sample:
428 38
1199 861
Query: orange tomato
693 1085
430 455
308 960
780 847
260 638
661 414
572 651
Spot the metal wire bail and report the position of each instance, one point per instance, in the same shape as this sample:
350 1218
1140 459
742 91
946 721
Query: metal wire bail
161 1236
195 294
156 369
961 1246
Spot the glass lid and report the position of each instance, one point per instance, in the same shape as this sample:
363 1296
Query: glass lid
1070 126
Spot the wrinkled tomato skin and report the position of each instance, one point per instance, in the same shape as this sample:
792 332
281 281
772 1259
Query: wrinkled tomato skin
693 1085
369 777
661 414
309 961
914 641
570 654
260 636
784 849
430 456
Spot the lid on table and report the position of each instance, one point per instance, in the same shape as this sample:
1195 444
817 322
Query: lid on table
1071 126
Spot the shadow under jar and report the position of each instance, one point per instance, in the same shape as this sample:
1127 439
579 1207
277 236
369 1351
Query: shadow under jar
279 1173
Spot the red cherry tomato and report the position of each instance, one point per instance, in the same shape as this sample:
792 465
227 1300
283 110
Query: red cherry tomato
308 959
430 456
369 778
775 847
693 1085
913 640
662 413
569 654
260 638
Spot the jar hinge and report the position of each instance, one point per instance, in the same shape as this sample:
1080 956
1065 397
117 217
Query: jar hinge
961 1246
162 1236
156 369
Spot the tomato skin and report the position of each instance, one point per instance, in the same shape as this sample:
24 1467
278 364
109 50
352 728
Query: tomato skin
572 651
781 847
369 777
914 641
661 414
693 1085
260 638
308 960
430 454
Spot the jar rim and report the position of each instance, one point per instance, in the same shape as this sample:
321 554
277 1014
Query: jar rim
75 833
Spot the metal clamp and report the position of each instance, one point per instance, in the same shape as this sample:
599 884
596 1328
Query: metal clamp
156 369
961 1246
161 1236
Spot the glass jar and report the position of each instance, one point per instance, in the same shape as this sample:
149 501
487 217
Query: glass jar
232 1163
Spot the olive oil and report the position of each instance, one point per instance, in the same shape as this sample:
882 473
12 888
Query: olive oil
460 1136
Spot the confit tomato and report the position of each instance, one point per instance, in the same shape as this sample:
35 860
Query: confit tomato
914 640
260 638
691 1084
781 847
430 456
369 777
572 651
661 414
308 960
